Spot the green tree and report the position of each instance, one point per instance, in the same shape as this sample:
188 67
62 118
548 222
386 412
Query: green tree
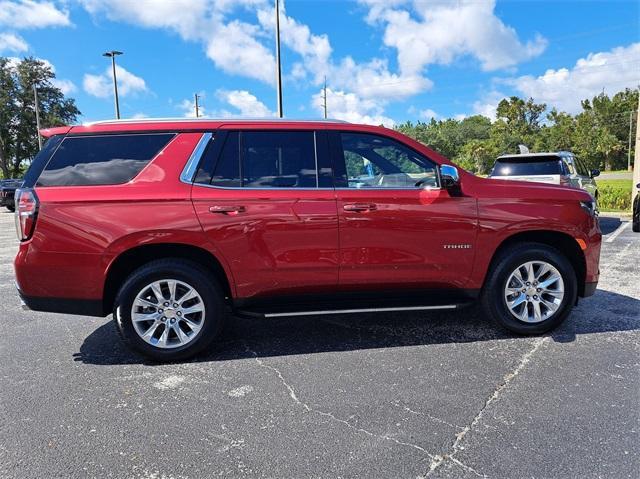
18 138
517 122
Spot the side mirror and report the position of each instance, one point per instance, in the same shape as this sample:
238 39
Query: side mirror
595 173
449 176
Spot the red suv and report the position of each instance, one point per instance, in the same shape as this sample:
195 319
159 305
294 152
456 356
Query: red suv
173 224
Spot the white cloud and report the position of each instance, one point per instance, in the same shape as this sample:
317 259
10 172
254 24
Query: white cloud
371 79
347 106
235 49
66 86
32 14
564 88
438 32
246 104
11 42
101 86
233 46
428 114
488 104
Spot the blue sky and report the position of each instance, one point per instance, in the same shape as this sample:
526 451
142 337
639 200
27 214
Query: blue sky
386 61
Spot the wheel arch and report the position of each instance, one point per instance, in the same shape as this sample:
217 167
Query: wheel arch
130 260
563 242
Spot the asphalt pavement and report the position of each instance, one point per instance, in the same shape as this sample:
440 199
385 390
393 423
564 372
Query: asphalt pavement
401 395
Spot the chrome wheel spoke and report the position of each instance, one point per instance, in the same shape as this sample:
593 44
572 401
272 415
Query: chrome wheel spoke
157 291
182 337
191 294
530 274
195 327
537 313
144 303
162 341
549 281
161 323
172 290
552 306
140 317
518 301
148 334
197 308
544 269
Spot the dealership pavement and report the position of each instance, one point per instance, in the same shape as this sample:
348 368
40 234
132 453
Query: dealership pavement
379 395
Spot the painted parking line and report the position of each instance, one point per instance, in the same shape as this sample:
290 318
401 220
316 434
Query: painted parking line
617 232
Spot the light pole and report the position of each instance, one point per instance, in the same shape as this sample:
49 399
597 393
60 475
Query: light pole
278 67
113 54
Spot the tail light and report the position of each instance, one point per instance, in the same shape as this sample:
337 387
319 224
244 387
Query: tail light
26 212
564 180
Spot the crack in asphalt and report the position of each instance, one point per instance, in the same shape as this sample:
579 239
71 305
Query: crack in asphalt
294 396
456 445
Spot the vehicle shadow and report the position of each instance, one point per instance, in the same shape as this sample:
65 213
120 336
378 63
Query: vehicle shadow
247 338
608 224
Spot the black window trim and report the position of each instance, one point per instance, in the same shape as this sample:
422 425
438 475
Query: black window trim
339 158
173 135
253 188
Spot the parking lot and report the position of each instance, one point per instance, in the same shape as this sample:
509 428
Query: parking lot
378 395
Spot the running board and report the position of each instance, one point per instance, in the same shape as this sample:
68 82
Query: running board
355 311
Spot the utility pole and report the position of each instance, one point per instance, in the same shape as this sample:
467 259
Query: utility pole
35 98
636 162
112 54
324 90
197 106
278 67
630 132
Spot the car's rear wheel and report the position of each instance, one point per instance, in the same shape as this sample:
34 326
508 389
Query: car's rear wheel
169 310
11 208
530 289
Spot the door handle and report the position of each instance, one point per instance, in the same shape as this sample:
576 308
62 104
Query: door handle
227 209
358 207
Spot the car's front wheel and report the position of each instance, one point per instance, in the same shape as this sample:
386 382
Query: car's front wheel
169 310
530 289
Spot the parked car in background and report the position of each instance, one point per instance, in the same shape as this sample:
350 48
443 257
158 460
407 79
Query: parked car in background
7 192
559 168
170 225
636 210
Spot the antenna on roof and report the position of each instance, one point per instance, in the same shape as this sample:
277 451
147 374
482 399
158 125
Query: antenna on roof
523 149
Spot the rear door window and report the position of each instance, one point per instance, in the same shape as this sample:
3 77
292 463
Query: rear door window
278 159
267 159
522 167
101 159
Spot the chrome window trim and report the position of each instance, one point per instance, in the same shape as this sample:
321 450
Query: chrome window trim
189 170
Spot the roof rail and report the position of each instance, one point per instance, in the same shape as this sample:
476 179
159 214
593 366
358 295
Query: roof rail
207 120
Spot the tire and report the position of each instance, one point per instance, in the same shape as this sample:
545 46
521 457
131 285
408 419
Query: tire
494 301
11 208
207 323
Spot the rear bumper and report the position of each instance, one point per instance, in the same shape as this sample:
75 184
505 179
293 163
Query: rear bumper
82 307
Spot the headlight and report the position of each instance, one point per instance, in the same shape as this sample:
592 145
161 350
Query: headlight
589 207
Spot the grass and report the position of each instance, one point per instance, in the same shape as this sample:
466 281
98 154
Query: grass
615 195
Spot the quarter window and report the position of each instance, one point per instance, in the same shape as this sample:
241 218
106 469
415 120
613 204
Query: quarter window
101 160
373 161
